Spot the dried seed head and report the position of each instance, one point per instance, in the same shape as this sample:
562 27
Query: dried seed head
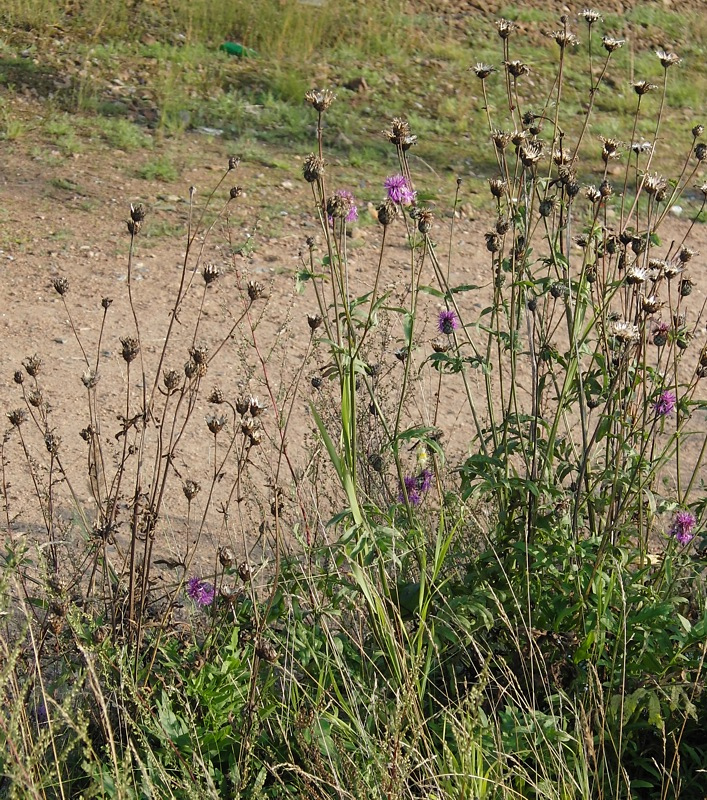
171 379
199 354
133 227
593 194
248 426
643 87
90 378
130 349
52 443
244 572
137 212
558 290
493 242
667 59
501 139
320 99
610 44
87 432
685 254
387 212
498 186
639 148
547 206
636 275
255 290
314 321
17 416
266 651
235 192
233 162
191 489
400 135
503 225
215 423
590 16
516 68
210 273
518 137
624 332
316 382
192 369
242 404
572 189
424 220
605 189
564 38
440 345
18 377
685 286
61 284
698 130
216 397
32 365
401 353
530 153
655 185
610 148
256 407
505 28
482 71
226 556
313 168
701 151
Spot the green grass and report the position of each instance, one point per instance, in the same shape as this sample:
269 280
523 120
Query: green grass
161 168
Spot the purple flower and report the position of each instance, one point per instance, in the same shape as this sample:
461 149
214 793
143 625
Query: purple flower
682 527
415 487
447 322
399 190
424 480
201 592
665 404
342 205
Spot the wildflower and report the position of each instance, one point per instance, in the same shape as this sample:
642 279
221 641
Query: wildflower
482 71
611 44
590 15
341 205
399 190
682 528
424 480
320 99
413 495
201 592
667 59
665 404
447 322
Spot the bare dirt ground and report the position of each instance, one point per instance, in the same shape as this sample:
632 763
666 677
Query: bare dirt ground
65 216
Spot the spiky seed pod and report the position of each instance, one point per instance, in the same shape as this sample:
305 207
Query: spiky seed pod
316 382
106 303
314 321
235 192
52 442
698 130
191 489
686 285
643 87
564 39
424 220
387 211
401 353
610 43
233 162
686 254
701 151
503 225
482 71
133 227
226 556
215 423
90 378
493 242
16 417
546 207
400 135
498 187
605 189
313 168
245 572
651 304
242 404
18 377
216 397
191 369
137 212
667 59
558 290
130 348
199 354
532 304
61 284
266 651
32 365
593 194
440 345
210 273
572 189
517 68
320 99
505 28
255 290
591 273
171 380
501 139
256 407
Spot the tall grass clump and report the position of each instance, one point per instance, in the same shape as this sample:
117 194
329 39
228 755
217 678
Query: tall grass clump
482 577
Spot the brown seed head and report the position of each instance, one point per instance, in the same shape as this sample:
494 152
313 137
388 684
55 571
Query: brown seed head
590 16
400 135
137 212
106 303
320 99
482 71
17 416
216 397
424 220
210 273
493 242
498 187
130 349
191 489
19 376
698 130
235 192
314 321
643 87
440 345
685 254
564 38
52 442
505 28
133 227
32 365
667 59
35 398
90 378
233 162
387 212
701 151
215 423
610 44
226 556
501 139
516 68
61 284
244 572
242 404
199 354
313 168
255 407
255 290
171 380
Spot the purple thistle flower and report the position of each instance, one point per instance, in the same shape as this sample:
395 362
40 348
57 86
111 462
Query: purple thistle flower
399 190
665 404
415 487
424 480
201 592
682 527
447 322
342 204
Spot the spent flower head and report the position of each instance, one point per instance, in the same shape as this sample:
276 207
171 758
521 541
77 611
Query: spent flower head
610 43
667 59
643 87
590 15
400 135
341 205
320 99
482 71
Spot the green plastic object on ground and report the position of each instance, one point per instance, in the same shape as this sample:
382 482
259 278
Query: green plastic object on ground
235 49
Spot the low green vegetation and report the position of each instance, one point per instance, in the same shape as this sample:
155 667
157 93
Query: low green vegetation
476 570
